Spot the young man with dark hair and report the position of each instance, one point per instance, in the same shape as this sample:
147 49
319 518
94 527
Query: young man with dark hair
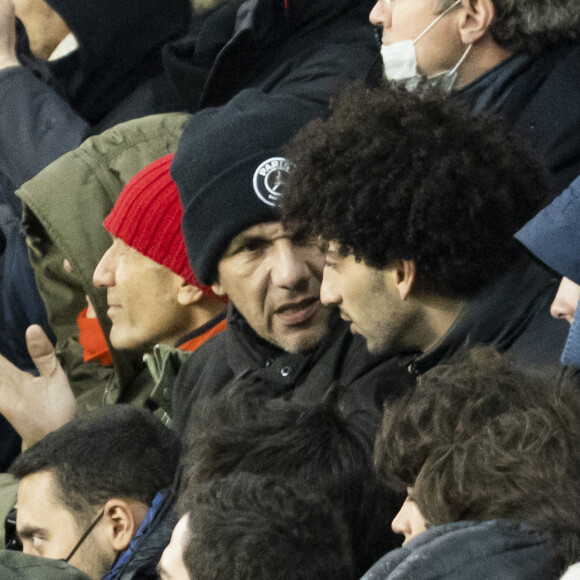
415 202
490 457
95 492
249 526
254 426
518 58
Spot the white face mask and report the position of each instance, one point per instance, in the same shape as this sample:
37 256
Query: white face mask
400 61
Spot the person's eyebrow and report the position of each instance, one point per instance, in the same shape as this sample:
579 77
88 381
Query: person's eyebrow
27 532
246 240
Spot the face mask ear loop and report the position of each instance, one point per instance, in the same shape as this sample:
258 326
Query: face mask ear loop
446 11
460 62
84 536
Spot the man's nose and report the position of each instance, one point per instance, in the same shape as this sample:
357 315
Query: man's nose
289 267
329 293
400 523
381 14
566 300
104 274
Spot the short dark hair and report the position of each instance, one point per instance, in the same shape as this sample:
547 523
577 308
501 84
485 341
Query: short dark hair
254 426
481 439
393 174
246 526
116 451
531 25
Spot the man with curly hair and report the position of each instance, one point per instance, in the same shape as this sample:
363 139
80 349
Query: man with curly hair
415 202
489 456
519 58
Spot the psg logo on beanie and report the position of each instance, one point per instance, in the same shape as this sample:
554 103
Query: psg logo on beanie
271 179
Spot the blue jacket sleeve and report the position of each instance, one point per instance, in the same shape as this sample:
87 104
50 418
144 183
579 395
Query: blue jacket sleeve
36 125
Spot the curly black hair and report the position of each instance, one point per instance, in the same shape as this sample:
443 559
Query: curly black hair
393 174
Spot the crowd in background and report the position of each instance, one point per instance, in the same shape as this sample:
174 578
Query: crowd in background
288 289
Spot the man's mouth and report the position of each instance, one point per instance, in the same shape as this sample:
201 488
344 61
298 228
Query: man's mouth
297 312
344 315
112 308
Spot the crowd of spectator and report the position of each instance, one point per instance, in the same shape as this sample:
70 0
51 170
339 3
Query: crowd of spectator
288 289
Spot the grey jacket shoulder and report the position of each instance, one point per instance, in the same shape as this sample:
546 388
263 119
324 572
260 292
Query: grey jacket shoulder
494 549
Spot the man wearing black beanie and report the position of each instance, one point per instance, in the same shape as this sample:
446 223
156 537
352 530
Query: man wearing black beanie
277 326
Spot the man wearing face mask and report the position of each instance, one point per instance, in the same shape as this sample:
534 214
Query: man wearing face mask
97 493
518 58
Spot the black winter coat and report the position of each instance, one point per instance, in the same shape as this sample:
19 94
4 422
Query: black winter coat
538 96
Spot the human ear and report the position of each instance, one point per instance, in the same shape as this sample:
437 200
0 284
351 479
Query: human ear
188 294
475 20
218 289
405 272
120 523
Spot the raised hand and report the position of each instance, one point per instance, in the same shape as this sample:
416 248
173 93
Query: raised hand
35 406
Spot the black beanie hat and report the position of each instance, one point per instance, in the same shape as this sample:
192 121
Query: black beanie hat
229 171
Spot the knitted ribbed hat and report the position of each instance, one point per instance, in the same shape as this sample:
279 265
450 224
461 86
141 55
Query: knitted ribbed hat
147 216
230 172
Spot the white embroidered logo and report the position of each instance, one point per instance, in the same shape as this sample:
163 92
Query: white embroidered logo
270 179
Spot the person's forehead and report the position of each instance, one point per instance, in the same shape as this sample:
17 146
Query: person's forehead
264 230
122 248
36 491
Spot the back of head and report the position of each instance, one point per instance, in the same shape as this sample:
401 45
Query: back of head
118 451
393 174
245 526
254 427
480 439
531 25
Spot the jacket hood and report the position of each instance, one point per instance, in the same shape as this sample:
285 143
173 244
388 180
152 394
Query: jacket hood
65 205
119 47
553 234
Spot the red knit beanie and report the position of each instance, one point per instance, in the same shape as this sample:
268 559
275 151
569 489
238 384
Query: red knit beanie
147 216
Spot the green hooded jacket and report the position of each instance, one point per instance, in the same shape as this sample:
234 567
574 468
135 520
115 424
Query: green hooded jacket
19 566
64 209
